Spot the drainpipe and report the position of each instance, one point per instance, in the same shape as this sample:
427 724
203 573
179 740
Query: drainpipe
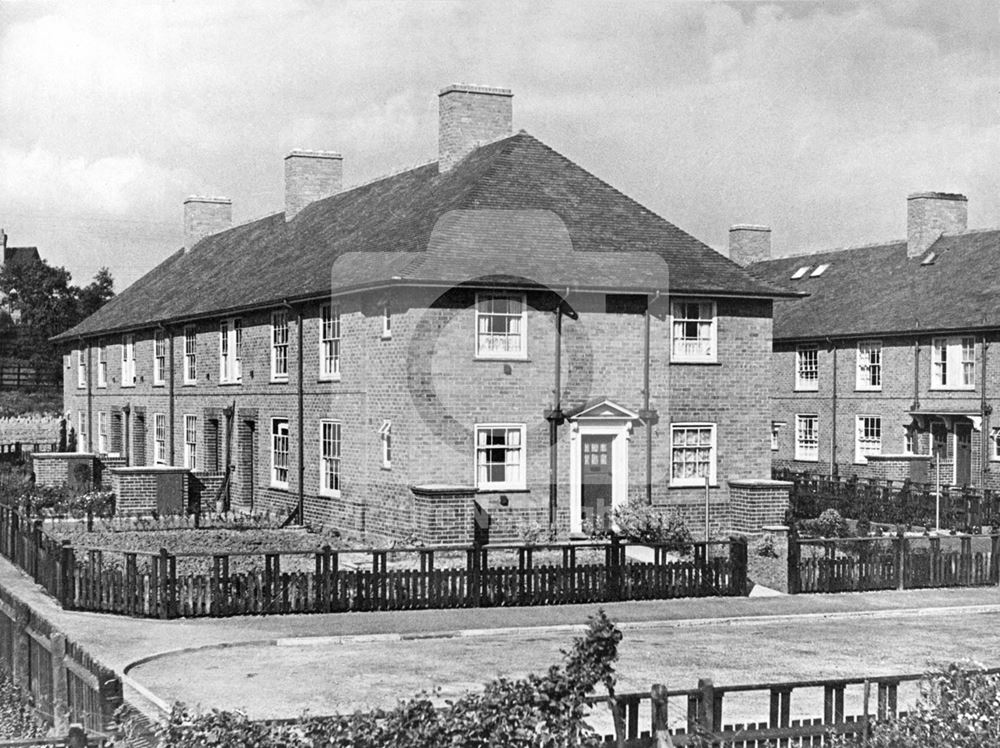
555 418
647 415
833 410
170 391
916 375
984 412
90 397
301 413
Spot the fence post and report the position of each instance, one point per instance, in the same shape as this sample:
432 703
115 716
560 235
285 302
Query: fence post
899 546
995 558
738 565
659 724
965 561
166 588
77 738
68 599
706 707
60 692
794 555
22 654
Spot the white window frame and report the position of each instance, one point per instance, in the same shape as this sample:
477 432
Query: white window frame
81 431
802 383
386 321
385 443
81 367
190 354
682 346
230 345
330 445
869 366
329 342
159 358
995 443
280 337
866 445
910 443
805 452
775 434
102 364
281 443
128 360
190 441
713 457
516 484
102 432
483 317
159 439
956 369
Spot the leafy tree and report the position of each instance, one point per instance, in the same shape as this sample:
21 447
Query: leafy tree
97 294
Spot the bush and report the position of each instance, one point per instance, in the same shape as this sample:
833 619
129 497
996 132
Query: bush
533 532
766 546
959 707
828 525
58 501
17 718
540 710
640 522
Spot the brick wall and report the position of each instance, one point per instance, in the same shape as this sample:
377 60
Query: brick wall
203 487
63 468
758 503
136 488
443 515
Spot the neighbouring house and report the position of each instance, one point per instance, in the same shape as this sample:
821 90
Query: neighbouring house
496 334
14 256
884 369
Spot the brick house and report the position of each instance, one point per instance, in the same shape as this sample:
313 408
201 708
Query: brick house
885 364
497 331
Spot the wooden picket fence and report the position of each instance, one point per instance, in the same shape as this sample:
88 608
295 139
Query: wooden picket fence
66 684
166 585
799 714
15 376
892 502
892 562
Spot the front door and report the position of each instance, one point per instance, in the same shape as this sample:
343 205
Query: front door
963 454
595 493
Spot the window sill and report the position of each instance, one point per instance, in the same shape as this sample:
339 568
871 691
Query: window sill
279 486
327 494
333 378
159 384
189 384
693 485
383 336
697 361
282 380
806 389
963 388
523 359
492 489
867 389
230 384
806 459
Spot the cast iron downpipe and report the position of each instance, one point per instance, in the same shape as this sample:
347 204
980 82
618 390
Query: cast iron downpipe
833 409
90 398
301 413
170 392
916 375
647 414
984 412
555 418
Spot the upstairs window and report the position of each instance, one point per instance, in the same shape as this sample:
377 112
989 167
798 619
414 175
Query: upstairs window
694 331
330 458
279 452
81 367
159 357
953 363
230 342
868 438
869 371
807 368
329 342
500 457
386 321
190 355
501 326
807 438
692 454
385 438
279 345
128 360
102 364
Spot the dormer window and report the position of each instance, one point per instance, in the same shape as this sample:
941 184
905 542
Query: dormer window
820 269
800 272
929 259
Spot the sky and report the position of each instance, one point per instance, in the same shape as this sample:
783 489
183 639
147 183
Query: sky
816 119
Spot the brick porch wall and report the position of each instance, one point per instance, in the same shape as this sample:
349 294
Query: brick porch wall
135 488
756 503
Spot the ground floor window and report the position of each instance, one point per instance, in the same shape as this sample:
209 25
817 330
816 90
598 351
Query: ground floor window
692 454
868 437
102 432
81 432
279 452
807 438
191 442
995 444
159 438
500 457
385 437
329 458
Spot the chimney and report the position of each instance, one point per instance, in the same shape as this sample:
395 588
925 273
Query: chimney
749 243
204 216
468 117
311 176
930 214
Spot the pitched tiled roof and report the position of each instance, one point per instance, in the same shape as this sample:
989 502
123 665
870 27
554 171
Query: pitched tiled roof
878 290
389 231
20 255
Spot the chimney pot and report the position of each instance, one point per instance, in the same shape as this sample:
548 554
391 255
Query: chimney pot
311 176
468 117
204 216
931 214
749 243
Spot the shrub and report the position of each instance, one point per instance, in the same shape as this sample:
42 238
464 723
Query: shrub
644 523
59 501
533 532
766 546
540 710
828 525
958 707
17 718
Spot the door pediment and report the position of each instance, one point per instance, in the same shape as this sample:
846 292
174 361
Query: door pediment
601 409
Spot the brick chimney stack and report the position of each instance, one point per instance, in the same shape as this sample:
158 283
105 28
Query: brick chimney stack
930 214
311 176
468 117
749 243
204 216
